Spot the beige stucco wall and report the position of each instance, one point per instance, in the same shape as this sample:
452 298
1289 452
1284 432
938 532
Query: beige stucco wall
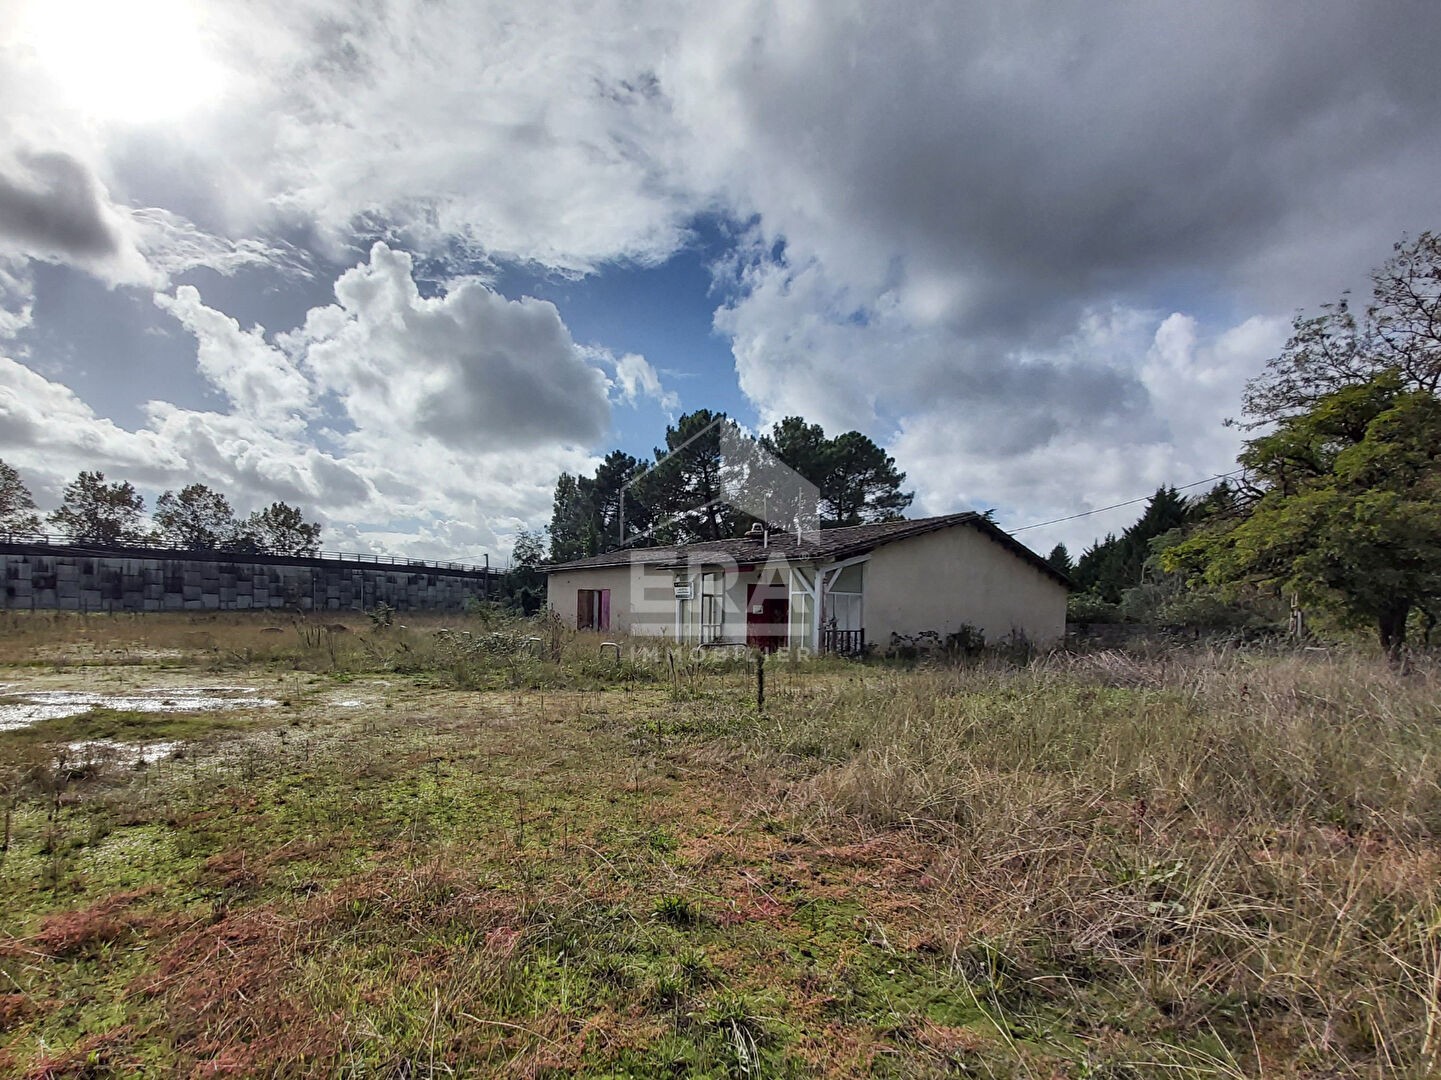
940 580
735 590
642 599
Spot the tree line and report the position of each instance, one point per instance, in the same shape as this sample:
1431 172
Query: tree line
195 518
679 496
1337 508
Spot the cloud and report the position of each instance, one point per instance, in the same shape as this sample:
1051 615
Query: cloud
444 419
1187 381
968 230
637 379
1042 246
524 131
53 208
235 455
47 430
52 204
17 297
471 369
261 382
993 170
49 433
173 244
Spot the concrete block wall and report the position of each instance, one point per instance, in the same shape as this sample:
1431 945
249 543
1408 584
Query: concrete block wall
55 578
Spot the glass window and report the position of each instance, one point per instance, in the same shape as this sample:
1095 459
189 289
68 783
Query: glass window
843 611
802 618
849 579
712 608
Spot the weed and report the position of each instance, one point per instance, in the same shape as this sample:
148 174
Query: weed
678 911
1176 862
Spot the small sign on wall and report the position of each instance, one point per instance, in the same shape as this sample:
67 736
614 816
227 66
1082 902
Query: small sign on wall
682 592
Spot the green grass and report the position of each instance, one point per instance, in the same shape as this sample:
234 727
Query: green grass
130 726
1195 864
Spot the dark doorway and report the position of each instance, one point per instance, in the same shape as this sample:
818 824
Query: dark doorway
592 609
768 609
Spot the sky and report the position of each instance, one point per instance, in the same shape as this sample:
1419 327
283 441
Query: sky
400 264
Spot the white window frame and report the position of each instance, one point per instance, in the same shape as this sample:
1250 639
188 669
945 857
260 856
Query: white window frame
802 600
712 607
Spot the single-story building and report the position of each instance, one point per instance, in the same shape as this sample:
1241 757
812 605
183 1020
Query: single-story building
832 590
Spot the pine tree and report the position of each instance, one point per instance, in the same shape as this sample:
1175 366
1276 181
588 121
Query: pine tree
612 492
684 490
17 505
1117 563
1060 560
569 518
858 481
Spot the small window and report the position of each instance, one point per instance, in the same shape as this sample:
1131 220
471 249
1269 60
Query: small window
592 609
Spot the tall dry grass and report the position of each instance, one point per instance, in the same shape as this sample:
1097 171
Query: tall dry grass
1246 846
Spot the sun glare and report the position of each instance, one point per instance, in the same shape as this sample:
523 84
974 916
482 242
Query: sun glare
136 61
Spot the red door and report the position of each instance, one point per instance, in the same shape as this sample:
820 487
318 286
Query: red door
767 613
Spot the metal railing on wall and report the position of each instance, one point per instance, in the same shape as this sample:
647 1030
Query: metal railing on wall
843 642
60 540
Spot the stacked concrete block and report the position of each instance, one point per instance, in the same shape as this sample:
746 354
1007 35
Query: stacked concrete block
53 578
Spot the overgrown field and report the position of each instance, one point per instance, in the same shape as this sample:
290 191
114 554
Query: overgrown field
495 850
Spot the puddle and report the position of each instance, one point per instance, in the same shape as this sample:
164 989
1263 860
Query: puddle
99 751
30 707
349 698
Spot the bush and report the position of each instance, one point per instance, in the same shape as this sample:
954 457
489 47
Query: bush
1088 607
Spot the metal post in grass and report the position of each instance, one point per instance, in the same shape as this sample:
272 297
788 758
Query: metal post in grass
760 680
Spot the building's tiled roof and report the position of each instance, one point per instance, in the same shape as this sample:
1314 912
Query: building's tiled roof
824 545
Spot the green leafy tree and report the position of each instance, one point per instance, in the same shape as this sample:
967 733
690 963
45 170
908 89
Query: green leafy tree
570 518
1349 510
96 512
858 481
1089 607
684 489
1117 563
863 484
611 493
17 506
524 583
1398 336
528 550
1341 504
1060 560
280 529
196 517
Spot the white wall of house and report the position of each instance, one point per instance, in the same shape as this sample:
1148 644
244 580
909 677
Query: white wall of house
732 586
642 599
936 581
944 579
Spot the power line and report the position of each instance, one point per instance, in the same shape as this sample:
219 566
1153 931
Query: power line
1128 502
